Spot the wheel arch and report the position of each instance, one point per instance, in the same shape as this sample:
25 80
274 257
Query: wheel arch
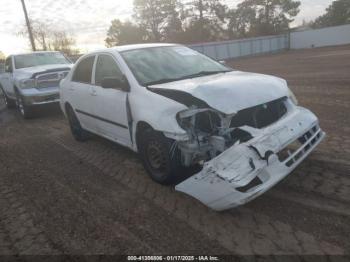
141 126
16 89
67 105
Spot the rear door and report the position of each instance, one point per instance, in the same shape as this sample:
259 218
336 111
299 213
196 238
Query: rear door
79 92
110 105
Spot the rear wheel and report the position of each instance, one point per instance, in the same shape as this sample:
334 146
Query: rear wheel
161 157
25 111
78 132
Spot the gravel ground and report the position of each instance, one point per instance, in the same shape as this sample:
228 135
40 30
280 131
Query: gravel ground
58 196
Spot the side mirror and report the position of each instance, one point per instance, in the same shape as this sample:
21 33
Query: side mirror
116 83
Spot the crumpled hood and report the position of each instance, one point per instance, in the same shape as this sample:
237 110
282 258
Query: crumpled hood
233 91
25 73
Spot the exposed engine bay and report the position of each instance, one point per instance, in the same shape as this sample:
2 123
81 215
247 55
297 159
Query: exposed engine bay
242 162
246 137
212 132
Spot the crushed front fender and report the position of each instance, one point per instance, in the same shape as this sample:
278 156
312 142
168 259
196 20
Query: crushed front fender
245 171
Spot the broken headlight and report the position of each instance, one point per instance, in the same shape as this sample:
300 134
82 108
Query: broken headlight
202 120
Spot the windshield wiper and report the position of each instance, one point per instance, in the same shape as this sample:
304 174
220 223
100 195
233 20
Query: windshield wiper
205 73
198 74
162 81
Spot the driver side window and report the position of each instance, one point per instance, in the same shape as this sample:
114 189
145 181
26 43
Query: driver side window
106 67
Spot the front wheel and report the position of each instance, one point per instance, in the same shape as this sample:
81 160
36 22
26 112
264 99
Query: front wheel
161 157
26 111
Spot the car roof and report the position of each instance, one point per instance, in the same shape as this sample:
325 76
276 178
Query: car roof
123 48
35 52
140 46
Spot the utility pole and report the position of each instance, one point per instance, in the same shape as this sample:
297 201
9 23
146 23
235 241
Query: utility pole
201 20
31 38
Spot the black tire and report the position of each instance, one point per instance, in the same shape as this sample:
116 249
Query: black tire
78 132
161 157
10 103
25 111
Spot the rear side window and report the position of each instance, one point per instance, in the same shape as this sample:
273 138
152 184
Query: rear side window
83 71
106 67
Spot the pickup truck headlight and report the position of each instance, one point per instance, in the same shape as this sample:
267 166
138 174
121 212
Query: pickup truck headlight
292 97
27 83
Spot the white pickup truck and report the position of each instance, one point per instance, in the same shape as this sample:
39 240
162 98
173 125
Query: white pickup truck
32 79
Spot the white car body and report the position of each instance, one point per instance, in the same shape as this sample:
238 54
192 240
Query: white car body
242 171
46 78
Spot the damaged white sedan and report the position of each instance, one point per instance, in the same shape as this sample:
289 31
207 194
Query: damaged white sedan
243 132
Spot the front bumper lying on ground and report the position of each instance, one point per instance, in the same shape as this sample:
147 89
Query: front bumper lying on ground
247 170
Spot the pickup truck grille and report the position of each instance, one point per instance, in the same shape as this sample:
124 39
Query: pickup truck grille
51 79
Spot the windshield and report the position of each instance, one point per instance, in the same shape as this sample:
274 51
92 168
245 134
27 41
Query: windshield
37 59
166 64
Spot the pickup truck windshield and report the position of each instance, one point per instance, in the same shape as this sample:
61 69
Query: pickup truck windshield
37 59
159 65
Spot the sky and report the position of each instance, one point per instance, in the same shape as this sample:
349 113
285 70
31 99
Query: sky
88 20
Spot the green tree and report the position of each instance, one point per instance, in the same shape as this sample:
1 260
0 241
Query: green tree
240 21
154 16
263 17
338 13
173 32
120 33
206 20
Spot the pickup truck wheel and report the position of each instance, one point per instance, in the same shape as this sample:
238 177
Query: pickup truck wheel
78 132
10 103
161 158
26 111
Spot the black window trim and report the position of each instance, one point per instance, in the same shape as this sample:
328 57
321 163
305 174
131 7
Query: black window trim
92 70
95 64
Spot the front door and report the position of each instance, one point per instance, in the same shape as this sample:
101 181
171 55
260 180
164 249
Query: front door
110 105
